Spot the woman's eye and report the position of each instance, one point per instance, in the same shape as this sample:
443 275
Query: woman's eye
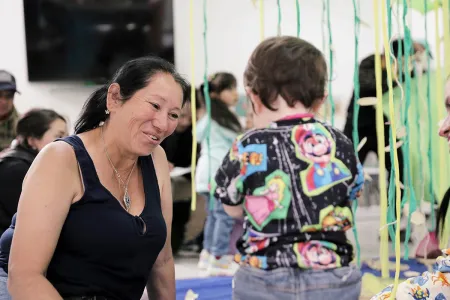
174 116
155 106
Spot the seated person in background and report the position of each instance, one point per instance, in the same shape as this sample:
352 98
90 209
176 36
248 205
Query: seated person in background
8 113
178 149
35 130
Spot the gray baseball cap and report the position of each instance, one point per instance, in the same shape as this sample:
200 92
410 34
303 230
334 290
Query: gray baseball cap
7 82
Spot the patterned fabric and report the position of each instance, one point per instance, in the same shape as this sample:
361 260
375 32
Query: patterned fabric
429 286
8 130
295 180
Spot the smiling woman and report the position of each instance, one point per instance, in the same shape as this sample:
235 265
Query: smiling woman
96 207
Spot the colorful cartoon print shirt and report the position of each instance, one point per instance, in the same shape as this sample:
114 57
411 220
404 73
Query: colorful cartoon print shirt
431 285
296 180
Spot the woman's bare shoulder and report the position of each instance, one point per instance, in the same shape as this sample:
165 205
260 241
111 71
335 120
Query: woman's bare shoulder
56 164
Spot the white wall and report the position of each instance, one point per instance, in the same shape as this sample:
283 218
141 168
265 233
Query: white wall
233 32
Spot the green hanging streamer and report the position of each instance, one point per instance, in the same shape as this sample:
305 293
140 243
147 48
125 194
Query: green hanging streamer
279 17
391 216
207 98
330 50
409 193
357 22
430 131
297 9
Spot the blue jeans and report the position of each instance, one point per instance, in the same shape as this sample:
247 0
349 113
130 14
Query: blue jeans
218 228
296 284
4 294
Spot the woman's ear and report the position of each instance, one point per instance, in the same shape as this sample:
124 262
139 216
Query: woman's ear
31 141
255 100
113 100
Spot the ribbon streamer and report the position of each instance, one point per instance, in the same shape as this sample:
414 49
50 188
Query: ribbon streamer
207 98
261 19
297 9
409 193
355 117
439 96
279 18
193 110
330 52
430 131
396 166
384 251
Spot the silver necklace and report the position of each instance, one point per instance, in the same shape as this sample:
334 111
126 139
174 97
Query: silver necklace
126 196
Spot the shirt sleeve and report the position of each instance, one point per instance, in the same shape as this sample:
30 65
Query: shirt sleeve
357 186
12 176
228 185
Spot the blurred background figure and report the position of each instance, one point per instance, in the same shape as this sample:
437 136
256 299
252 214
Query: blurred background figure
178 151
35 130
8 113
224 127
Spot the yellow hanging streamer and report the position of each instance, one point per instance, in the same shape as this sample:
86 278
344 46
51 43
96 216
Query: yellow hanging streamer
445 20
394 138
440 113
261 19
193 110
384 250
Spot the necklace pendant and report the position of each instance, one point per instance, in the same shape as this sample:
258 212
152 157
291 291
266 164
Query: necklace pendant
127 200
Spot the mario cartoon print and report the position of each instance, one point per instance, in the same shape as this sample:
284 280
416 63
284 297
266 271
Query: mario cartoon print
317 255
314 144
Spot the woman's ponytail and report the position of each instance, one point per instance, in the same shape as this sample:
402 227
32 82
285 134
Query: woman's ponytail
93 112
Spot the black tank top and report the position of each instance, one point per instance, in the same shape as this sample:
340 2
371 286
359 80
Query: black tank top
102 249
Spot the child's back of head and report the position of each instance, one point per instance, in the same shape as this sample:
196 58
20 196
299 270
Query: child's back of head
285 75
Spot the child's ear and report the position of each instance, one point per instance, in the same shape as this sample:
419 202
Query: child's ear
255 100
113 100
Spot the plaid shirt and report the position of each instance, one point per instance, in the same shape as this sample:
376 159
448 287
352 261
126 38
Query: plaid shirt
8 129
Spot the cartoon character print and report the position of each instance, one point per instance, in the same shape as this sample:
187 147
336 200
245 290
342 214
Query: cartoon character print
384 294
256 241
419 293
253 158
259 262
316 255
332 219
269 202
314 144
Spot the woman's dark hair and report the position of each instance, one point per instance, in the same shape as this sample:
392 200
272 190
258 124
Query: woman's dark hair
442 212
131 77
221 81
35 123
219 111
289 67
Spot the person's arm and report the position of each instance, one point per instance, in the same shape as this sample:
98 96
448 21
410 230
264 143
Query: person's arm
161 283
48 191
356 187
228 185
12 175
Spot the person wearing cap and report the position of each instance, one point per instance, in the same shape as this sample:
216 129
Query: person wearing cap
8 112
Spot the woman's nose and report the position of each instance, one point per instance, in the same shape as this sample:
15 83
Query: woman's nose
444 129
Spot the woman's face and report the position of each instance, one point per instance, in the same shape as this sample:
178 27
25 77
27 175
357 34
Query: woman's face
57 129
444 130
229 96
150 116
